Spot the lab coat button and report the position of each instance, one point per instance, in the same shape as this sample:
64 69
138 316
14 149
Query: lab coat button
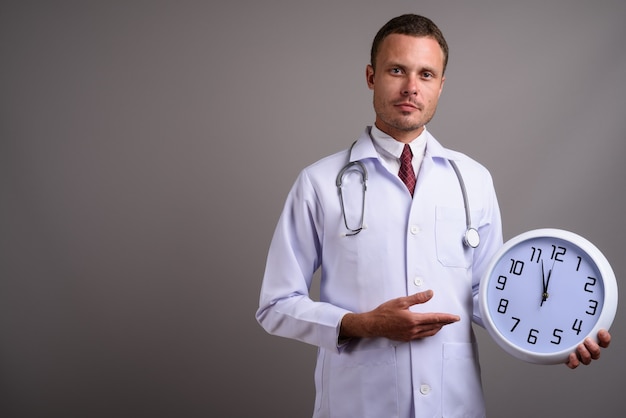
424 389
415 229
418 281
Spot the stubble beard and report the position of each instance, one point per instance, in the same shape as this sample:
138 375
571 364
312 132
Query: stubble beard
402 123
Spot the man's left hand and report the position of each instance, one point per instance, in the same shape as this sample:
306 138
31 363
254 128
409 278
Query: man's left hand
589 350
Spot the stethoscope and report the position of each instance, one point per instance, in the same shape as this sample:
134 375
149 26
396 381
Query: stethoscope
471 238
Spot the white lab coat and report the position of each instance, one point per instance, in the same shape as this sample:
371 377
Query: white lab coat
408 245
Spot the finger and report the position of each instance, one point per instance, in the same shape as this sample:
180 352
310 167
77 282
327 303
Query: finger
431 328
437 319
427 330
444 319
572 361
604 338
583 353
593 348
417 298
425 333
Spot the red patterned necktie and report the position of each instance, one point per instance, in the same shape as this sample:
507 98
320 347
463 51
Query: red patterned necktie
406 172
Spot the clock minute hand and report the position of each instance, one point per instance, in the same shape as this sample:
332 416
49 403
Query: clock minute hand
545 282
545 294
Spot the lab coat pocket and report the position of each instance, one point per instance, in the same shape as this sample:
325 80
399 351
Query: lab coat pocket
462 390
366 375
450 227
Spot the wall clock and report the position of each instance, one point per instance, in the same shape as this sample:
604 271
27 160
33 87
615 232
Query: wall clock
544 292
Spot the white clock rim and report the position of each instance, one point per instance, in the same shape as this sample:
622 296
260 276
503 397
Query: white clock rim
607 315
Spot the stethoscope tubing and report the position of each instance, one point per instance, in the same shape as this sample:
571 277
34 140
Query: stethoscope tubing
471 237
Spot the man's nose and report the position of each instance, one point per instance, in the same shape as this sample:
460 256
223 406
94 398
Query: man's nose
410 87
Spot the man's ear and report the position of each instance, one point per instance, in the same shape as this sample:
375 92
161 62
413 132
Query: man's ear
369 76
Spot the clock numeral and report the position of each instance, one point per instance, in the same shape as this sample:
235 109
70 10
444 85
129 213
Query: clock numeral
532 336
538 252
591 281
516 322
557 253
593 306
557 335
504 303
579 260
501 282
577 326
517 267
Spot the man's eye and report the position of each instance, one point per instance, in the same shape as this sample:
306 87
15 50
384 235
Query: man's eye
427 75
395 71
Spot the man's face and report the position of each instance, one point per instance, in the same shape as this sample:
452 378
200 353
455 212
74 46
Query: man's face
407 84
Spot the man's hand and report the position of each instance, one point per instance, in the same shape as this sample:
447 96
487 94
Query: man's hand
394 320
589 350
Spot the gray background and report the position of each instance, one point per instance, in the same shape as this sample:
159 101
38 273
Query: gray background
133 239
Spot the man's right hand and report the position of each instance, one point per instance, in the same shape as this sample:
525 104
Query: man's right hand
394 320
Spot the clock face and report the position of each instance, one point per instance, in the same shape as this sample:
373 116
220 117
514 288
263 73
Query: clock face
545 292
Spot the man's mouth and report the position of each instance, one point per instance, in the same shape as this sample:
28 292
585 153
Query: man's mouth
407 106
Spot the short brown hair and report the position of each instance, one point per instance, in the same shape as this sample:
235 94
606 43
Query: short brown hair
414 25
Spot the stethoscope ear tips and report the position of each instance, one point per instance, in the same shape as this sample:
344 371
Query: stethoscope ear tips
471 238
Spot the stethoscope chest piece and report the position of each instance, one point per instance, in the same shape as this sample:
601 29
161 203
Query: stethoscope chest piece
471 238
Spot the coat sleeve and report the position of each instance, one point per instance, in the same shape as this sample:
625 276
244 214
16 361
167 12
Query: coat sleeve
285 306
490 230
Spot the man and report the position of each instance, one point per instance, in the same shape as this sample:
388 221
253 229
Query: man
398 286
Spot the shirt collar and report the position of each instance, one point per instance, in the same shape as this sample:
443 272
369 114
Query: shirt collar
388 145
364 148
